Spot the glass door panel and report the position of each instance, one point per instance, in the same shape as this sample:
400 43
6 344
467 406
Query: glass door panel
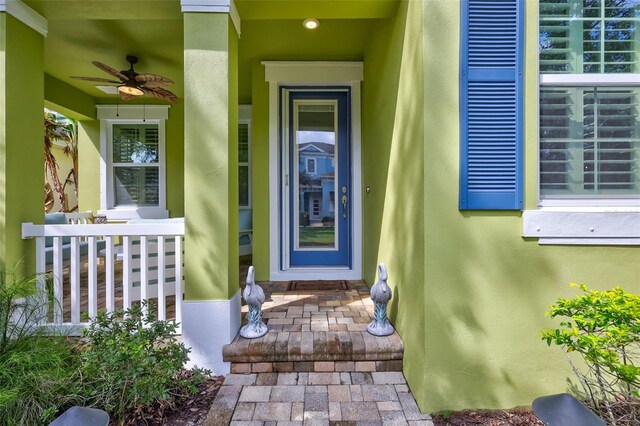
315 150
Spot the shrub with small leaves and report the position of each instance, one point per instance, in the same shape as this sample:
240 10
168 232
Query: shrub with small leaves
132 361
604 328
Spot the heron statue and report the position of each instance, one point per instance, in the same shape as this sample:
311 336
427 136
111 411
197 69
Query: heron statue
254 296
380 295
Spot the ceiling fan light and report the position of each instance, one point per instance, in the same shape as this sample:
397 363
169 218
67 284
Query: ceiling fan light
130 90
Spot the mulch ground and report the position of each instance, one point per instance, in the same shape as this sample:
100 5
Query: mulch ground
515 417
190 410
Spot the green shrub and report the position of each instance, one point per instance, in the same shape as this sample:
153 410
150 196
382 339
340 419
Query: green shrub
132 361
604 328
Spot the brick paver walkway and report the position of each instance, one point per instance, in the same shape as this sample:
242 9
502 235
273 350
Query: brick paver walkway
310 398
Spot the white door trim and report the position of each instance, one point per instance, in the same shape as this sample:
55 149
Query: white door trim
312 73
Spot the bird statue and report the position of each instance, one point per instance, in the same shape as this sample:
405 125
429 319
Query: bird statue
380 295
254 296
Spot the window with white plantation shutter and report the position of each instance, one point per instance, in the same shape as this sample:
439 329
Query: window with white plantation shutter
491 105
135 165
589 101
244 179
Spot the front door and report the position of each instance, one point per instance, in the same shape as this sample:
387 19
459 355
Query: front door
318 178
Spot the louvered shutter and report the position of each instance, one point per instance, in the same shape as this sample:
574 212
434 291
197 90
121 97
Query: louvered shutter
491 163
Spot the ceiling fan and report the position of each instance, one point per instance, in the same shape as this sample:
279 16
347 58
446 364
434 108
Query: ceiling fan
132 84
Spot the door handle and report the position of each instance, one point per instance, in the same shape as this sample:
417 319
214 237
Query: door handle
345 200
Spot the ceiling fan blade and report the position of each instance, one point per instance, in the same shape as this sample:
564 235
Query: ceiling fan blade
161 93
101 80
153 80
109 70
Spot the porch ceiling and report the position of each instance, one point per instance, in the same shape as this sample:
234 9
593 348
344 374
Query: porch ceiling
81 31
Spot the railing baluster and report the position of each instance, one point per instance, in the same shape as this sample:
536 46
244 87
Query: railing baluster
58 281
71 245
162 303
126 272
41 266
75 280
109 275
144 273
178 296
92 271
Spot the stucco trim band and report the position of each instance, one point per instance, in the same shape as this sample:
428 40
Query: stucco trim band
25 14
214 6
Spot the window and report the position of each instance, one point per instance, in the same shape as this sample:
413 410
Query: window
311 165
244 163
589 101
133 166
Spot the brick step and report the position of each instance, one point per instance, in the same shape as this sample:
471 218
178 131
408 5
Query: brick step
315 331
315 351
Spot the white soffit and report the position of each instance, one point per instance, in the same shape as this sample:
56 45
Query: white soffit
213 6
25 14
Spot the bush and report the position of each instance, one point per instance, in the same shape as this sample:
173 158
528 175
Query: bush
604 328
38 374
132 362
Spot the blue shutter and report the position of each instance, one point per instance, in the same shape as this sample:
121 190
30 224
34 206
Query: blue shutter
491 111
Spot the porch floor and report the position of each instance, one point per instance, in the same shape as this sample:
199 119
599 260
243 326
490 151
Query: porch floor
101 292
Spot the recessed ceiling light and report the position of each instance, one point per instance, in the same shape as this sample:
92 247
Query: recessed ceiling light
311 23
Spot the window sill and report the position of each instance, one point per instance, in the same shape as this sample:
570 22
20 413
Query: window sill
583 226
128 213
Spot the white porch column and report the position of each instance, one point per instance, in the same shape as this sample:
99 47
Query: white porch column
211 310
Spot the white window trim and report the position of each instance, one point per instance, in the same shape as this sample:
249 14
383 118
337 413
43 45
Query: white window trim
316 74
130 114
581 221
245 117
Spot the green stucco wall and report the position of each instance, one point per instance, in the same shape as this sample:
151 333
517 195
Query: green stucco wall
210 153
285 40
66 99
486 288
21 138
393 168
89 165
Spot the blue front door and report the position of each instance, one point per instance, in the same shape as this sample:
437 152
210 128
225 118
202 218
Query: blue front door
319 178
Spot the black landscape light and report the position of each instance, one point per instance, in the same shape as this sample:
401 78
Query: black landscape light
564 410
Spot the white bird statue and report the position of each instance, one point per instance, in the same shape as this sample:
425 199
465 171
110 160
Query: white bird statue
254 296
380 295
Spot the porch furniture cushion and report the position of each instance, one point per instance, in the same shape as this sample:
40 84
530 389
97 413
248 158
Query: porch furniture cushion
61 219
55 219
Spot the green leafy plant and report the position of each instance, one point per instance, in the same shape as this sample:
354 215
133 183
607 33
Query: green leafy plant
604 328
132 361
37 373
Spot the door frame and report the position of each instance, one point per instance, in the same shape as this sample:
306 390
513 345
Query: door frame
311 74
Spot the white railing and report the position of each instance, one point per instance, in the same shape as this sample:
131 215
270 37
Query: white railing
82 260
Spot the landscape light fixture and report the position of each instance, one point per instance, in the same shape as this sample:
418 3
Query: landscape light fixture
311 23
